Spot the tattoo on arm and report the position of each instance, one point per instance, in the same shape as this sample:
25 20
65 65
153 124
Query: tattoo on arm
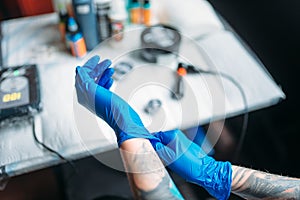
162 191
147 175
254 184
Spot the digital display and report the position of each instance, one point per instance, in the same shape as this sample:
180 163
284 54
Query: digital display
11 97
19 91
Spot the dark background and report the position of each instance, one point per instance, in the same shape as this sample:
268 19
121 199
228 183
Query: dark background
272 30
19 8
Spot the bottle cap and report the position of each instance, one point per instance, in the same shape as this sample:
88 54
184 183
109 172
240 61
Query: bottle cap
102 2
72 25
134 4
146 4
118 10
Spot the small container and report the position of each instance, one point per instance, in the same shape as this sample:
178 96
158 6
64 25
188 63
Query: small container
118 17
75 39
135 12
147 13
103 23
78 48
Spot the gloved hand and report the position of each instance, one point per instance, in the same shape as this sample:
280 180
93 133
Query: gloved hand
93 80
189 161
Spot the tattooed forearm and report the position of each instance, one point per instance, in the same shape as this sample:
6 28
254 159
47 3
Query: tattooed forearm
162 191
148 177
146 165
252 184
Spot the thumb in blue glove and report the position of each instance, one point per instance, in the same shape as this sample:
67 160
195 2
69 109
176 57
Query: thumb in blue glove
189 161
92 82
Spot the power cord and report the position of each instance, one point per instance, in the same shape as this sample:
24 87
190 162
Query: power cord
70 162
193 69
75 170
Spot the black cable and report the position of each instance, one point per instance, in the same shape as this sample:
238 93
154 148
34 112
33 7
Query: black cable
246 115
193 69
71 163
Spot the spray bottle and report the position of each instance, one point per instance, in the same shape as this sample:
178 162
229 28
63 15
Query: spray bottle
85 14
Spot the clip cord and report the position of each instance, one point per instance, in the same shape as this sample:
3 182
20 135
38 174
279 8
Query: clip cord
50 149
192 69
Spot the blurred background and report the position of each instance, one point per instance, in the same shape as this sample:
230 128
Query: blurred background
271 28
20 8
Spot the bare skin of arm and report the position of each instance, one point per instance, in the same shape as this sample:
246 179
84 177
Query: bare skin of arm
147 175
253 184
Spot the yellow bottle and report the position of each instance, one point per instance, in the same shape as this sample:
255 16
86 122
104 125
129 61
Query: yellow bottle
147 13
135 12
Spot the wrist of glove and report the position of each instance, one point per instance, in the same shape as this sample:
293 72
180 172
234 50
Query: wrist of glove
214 176
189 161
120 116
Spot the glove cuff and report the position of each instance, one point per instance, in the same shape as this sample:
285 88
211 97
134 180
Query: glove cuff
222 178
216 178
123 136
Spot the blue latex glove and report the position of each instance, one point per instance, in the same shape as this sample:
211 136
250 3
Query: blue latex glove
93 80
189 161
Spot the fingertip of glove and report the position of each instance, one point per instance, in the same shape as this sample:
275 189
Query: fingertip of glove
109 71
158 135
158 146
109 83
77 69
95 57
107 62
112 70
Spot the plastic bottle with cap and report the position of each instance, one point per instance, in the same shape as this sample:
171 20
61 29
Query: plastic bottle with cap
75 39
86 17
103 8
135 12
118 17
147 13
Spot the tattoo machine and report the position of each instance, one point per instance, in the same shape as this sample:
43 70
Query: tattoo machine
179 89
